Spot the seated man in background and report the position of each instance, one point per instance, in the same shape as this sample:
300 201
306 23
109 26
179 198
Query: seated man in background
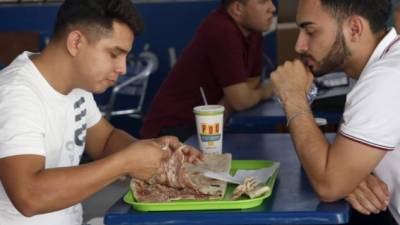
49 117
349 35
225 58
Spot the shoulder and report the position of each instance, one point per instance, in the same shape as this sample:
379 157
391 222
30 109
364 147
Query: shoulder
21 110
383 71
15 82
218 24
19 91
20 99
19 74
377 80
376 89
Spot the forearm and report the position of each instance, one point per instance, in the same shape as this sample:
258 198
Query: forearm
254 82
260 93
241 96
253 97
228 109
54 189
117 141
311 146
244 100
103 140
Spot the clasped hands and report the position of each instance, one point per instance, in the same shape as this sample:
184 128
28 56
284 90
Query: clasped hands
292 80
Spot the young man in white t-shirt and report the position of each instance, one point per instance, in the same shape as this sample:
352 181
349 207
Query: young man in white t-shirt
48 118
348 35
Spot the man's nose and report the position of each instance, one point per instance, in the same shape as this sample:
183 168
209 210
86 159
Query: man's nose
301 44
121 67
272 7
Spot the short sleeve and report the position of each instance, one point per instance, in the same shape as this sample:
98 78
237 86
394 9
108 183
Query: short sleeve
21 122
372 113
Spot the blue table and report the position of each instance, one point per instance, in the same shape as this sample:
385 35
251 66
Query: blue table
269 117
292 201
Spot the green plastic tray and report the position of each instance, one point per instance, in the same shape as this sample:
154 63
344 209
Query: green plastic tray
242 203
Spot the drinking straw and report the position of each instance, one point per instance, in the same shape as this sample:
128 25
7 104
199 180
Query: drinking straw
203 95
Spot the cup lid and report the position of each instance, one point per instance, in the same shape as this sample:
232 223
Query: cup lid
209 109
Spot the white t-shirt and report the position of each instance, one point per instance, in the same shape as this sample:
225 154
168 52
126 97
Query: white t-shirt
372 113
36 119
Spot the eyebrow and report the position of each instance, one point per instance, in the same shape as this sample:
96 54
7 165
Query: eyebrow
305 24
121 50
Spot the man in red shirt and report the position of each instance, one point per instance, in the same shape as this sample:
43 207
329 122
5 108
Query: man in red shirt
225 58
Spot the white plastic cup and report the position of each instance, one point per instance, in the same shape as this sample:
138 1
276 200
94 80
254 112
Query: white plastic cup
210 124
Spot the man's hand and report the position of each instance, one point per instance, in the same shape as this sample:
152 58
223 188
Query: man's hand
371 196
291 79
144 157
192 155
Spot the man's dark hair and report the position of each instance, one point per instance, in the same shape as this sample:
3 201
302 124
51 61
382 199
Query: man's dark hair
226 3
376 12
96 17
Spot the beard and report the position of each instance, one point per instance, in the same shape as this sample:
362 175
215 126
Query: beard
334 60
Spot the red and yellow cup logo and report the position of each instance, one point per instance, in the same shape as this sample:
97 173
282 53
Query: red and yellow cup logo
210 132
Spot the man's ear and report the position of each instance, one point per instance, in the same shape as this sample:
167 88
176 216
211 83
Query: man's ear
74 42
354 27
237 8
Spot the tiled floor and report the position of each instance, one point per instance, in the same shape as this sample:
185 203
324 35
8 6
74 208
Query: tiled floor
97 205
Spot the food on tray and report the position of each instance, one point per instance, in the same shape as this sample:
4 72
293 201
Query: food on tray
177 179
214 204
251 188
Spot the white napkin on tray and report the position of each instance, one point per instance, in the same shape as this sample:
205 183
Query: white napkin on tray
260 175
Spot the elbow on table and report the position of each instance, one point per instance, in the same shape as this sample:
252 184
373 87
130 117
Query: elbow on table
327 197
329 193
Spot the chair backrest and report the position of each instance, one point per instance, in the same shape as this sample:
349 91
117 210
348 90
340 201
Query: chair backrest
133 85
14 43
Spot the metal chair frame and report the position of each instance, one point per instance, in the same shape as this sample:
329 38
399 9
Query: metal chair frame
136 85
